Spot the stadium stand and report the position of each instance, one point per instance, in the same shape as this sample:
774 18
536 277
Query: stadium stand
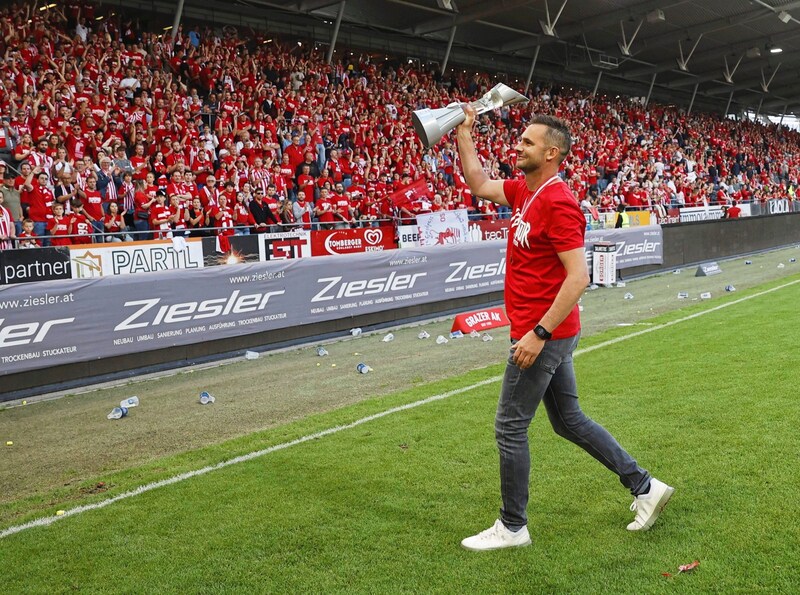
224 131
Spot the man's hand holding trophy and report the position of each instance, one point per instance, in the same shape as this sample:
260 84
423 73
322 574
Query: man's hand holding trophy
432 124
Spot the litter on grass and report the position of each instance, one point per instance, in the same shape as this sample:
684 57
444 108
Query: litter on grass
684 568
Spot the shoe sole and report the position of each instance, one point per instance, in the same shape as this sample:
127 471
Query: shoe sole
491 549
662 504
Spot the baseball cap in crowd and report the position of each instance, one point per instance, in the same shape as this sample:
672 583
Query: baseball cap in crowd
161 192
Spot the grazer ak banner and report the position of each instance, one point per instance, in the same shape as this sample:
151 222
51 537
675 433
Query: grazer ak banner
73 320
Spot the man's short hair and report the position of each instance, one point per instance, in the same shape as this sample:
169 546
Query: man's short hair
557 132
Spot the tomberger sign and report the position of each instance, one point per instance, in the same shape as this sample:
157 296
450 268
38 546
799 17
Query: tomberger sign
349 241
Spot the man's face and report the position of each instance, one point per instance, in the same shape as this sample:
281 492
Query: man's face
533 150
42 146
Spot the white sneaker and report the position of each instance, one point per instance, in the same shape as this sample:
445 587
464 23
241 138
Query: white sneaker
648 506
497 537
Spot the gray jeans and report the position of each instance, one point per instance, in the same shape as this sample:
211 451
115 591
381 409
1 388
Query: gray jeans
551 379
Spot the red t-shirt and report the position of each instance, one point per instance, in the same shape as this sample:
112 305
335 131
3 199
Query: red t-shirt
58 229
93 205
540 229
82 228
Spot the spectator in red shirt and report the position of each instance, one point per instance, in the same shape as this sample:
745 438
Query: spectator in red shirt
161 217
41 202
295 152
80 225
114 224
242 217
324 210
733 211
222 218
93 204
60 227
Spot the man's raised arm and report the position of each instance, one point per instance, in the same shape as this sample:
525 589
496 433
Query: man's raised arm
478 181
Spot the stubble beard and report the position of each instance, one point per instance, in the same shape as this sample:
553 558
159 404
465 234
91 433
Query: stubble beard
528 167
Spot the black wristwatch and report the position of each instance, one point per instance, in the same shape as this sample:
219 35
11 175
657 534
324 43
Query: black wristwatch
542 333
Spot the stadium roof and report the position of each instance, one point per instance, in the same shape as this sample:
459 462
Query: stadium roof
717 47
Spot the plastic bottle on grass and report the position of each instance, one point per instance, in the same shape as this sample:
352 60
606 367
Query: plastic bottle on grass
206 398
363 368
129 402
322 352
387 338
118 413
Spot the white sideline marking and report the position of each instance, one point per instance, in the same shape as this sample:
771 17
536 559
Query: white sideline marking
45 521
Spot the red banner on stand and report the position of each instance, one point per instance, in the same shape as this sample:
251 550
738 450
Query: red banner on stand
480 320
348 241
411 193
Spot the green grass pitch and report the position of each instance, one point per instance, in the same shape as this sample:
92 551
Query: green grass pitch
709 405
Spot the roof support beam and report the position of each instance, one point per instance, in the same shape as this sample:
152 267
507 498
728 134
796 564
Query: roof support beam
530 72
691 103
594 22
625 45
334 37
449 47
728 105
482 11
176 22
597 83
728 73
549 26
650 90
683 63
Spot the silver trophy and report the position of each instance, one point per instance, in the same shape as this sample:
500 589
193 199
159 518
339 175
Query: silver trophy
432 124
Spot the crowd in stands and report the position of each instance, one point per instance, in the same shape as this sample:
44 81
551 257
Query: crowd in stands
111 133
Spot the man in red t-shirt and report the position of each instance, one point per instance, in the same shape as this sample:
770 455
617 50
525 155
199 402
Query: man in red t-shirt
324 210
733 211
93 206
545 277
